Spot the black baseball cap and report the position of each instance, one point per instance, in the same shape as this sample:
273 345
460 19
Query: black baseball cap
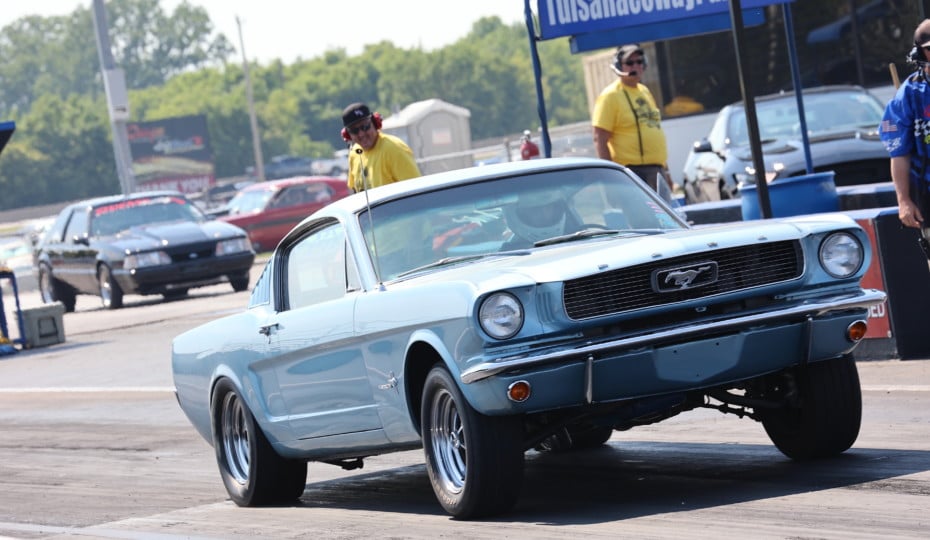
355 112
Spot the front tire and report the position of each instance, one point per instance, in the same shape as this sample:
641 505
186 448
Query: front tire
111 294
253 473
475 462
239 282
826 417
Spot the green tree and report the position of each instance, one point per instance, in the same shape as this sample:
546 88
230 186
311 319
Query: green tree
58 55
64 154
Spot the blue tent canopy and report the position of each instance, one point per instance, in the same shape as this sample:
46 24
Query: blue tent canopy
6 131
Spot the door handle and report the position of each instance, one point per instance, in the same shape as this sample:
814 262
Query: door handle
266 329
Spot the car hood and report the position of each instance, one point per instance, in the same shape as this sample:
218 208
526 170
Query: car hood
583 258
825 147
167 234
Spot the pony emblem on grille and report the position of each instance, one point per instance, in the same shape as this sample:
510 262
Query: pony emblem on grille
685 277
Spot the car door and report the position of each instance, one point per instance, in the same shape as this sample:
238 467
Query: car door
319 362
77 256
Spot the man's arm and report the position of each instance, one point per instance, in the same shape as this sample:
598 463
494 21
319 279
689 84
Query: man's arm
403 164
601 136
908 212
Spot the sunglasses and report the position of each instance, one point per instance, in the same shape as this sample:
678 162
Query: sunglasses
925 47
358 129
634 62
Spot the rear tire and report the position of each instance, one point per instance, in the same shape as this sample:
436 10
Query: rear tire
53 290
253 473
589 436
475 462
826 417
174 294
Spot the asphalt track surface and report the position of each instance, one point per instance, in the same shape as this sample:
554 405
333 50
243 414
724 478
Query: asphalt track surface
93 445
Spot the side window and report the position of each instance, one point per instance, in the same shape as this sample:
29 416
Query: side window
261 292
291 196
57 231
77 226
316 268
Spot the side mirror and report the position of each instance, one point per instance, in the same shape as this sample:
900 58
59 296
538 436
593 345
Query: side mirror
702 145
80 239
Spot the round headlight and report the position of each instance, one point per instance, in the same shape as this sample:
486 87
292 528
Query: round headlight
841 255
501 315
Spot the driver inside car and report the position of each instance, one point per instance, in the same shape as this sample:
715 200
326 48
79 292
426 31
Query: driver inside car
537 216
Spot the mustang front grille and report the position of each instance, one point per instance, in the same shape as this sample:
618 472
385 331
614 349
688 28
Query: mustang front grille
682 278
192 253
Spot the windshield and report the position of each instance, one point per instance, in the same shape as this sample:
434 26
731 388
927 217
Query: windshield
116 217
505 215
826 112
248 202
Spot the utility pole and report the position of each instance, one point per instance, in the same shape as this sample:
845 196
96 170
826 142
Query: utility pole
114 83
256 139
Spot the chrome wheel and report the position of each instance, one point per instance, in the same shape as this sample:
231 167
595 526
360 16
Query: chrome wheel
253 473
46 287
447 437
474 462
110 292
235 438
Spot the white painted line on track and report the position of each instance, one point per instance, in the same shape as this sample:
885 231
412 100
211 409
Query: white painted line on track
93 532
896 388
87 390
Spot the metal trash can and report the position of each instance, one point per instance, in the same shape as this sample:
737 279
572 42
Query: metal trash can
44 325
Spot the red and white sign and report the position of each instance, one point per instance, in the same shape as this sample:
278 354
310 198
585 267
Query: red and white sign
879 322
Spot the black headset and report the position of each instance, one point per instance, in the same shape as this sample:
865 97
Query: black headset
617 64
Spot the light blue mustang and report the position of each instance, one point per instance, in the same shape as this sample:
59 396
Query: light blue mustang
543 304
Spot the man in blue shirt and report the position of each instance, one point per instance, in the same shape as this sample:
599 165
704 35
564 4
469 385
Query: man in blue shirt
905 131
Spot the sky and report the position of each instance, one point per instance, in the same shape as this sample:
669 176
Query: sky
288 29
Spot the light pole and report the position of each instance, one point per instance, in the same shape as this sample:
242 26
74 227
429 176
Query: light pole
256 139
114 83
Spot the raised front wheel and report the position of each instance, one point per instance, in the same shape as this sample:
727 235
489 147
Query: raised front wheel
475 462
824 419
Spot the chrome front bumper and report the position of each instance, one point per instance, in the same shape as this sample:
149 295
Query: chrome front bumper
809 308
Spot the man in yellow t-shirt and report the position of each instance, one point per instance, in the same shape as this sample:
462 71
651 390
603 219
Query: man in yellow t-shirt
627 122
375 158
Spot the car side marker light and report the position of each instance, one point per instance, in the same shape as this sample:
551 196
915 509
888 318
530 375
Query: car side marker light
856 330
519 391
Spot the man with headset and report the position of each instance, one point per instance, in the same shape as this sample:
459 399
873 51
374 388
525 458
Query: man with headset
627 122
905 131
375 158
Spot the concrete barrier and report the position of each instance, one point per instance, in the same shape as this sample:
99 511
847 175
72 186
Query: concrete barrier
878 195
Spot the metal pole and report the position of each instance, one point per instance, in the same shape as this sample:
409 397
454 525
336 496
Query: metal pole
117 100
798 86
537 72
749 104
256 139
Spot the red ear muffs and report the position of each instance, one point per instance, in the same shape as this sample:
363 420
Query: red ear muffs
375 120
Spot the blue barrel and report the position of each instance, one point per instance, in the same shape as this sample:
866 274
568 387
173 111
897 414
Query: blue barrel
793 196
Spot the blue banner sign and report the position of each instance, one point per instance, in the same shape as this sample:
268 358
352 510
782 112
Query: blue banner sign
558 18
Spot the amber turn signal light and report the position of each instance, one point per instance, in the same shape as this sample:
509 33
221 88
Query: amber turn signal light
856 330
519 391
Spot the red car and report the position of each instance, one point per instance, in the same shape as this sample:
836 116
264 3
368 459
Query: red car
268 210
